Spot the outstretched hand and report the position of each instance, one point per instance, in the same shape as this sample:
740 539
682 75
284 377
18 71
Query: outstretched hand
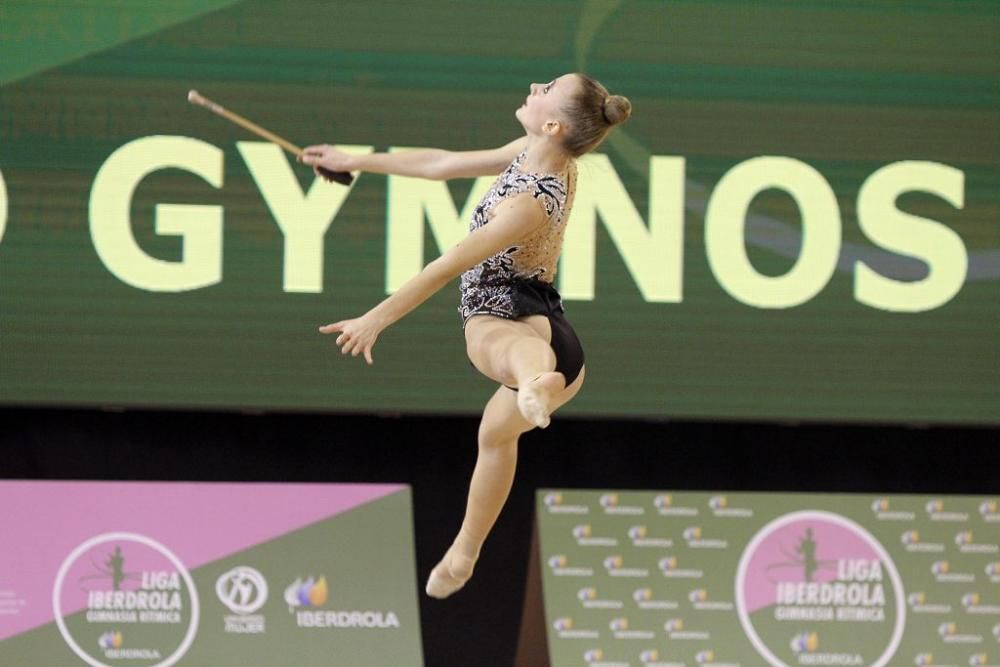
356 337
328 157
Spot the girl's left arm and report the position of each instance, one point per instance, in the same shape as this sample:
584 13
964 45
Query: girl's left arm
514 219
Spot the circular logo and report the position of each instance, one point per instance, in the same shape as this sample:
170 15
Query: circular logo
815 587
242 589
125 597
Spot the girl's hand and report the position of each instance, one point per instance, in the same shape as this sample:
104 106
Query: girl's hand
357 336
328 157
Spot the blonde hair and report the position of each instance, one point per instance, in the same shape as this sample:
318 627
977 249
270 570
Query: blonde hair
591 113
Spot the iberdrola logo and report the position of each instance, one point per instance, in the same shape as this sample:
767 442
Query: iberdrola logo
805 642
618 624
971 600
111 640
820 568
718 502
663 501
705 657
563 624
642 594
309 593
613 562
698 595
923 659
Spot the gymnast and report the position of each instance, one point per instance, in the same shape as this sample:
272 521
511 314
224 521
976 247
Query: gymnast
515 331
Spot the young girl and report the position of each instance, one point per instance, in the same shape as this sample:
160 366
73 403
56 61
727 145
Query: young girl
515 331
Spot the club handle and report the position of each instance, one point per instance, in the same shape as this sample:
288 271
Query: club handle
194 97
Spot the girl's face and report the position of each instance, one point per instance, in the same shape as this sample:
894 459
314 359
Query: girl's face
544 104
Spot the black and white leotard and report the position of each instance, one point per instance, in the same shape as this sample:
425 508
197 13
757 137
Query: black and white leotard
517 281
489 287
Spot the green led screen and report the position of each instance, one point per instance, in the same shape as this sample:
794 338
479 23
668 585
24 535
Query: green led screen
801 220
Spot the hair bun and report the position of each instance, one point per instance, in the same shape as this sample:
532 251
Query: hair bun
617 109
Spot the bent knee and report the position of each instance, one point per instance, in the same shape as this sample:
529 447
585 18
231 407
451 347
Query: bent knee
502 438
505 446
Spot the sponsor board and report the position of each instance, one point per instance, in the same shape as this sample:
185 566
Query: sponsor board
780 580
191 582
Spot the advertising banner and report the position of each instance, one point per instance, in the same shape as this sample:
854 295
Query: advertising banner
160 574
660 579
799 220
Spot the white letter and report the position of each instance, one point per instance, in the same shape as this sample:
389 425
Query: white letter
725 220
929 240
409 200
199 226
302 220
3 206
653 256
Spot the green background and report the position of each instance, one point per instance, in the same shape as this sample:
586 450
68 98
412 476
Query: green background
847 87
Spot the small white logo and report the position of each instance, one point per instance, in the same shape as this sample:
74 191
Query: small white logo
242 589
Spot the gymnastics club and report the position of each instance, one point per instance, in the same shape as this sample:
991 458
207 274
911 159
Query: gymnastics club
342 177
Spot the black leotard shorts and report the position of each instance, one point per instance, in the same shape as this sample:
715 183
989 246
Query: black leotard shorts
530 296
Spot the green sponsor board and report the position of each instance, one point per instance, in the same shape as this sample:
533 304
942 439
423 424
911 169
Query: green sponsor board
799 221
665 579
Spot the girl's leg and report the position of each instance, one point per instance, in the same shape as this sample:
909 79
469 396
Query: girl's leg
499 430
517 353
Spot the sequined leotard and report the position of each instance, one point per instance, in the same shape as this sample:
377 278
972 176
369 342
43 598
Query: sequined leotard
517 281
490 288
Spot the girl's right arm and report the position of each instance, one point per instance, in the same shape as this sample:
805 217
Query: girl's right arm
432 163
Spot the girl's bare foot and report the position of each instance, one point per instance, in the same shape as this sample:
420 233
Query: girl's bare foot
535 396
